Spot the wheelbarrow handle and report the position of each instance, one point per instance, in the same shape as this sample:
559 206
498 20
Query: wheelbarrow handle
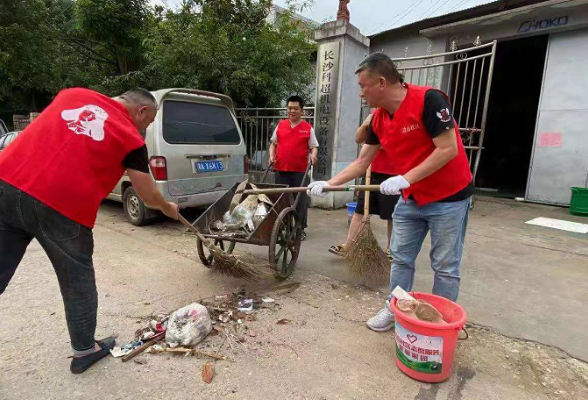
299 198
267 170
348 188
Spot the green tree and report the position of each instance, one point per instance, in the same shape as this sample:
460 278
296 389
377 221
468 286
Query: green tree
227 46
113 30
224 46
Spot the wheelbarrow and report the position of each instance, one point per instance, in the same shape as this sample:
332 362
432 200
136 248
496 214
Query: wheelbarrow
280 229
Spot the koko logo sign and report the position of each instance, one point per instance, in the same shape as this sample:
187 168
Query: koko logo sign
537 25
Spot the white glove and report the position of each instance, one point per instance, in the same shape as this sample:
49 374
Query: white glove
394 185
316 188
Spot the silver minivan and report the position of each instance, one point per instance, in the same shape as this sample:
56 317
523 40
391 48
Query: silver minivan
196 152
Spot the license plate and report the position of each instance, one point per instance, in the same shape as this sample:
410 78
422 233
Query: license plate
209 166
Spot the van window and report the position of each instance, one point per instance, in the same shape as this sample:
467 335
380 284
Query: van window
194 123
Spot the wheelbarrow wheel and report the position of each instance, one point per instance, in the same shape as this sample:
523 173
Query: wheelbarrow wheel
285 241
206 256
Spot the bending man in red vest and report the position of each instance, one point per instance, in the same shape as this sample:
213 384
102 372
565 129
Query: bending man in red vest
52 180
415 128
294 138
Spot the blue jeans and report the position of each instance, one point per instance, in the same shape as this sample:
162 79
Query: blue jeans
447 223
69 246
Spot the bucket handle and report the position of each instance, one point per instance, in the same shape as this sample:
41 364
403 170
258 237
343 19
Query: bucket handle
467 335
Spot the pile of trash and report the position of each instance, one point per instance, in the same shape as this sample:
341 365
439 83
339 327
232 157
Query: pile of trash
185 327
243 217
185 330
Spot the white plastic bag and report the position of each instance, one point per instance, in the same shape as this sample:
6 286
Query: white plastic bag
260 214
188 326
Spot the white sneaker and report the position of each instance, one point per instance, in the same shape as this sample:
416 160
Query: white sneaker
383 321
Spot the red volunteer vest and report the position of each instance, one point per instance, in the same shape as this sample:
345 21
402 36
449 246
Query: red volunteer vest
407 144
292 152
70 157
381 165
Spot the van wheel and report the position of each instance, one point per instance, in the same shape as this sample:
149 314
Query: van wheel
134 208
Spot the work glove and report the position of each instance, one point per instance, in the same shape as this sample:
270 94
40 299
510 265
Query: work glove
394 185
316 188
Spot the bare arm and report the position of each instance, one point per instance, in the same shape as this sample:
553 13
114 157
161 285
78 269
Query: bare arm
272 153
357 167
446 150
361 132
313 155
148 192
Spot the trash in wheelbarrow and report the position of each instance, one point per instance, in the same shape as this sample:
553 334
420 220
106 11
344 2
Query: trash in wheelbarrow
245 217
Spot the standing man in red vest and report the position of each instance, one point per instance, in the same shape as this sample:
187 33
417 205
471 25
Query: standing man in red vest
414 126
296 146
52 180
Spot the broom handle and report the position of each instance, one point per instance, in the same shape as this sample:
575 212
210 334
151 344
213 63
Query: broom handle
366 206
211 246
194 230
348 188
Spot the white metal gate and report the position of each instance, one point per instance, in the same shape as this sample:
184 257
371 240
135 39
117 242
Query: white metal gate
466 76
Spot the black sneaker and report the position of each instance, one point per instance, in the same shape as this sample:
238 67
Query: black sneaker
303 236
80 364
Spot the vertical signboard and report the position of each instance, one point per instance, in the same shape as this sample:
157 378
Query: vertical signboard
326 108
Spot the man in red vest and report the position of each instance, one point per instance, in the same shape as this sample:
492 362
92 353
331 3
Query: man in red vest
414 126
52 180
296 146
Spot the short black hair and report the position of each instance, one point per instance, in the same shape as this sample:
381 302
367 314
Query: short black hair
139 96
380 64
295 99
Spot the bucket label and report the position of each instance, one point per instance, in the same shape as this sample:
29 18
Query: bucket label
419 352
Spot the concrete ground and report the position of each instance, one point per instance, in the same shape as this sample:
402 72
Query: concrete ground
522 280
518 280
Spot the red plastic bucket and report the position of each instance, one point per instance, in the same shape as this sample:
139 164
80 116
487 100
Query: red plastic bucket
424 350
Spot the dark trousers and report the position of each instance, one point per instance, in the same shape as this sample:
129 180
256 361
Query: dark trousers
69 246
294 179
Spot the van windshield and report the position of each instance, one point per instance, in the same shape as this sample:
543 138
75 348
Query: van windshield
194 123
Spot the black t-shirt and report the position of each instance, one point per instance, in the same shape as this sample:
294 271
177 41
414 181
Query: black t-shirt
138 160
437 118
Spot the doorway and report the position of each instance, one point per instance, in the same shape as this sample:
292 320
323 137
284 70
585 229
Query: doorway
512 114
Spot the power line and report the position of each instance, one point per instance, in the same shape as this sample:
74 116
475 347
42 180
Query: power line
434 11
404 14
397 15
459 4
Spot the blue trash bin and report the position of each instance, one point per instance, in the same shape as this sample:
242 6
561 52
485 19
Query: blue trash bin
350 211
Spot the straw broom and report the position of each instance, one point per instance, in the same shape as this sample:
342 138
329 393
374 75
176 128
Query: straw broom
364 256
229 264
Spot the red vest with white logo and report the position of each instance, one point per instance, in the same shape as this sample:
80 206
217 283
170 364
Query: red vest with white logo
292 152
407 144
71 156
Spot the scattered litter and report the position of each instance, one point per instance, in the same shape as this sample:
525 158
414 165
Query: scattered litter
245 305
268 300
189 325
225 317
283 321
126 349
183 350
139 362
208 372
